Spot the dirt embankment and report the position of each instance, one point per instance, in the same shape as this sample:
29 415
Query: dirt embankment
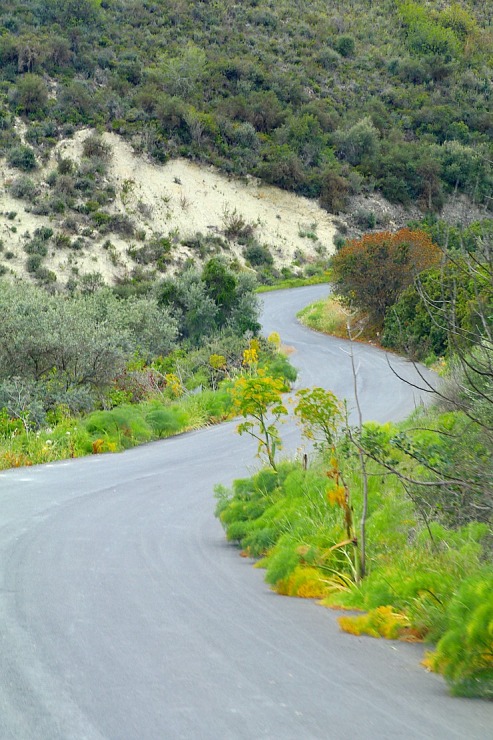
178 199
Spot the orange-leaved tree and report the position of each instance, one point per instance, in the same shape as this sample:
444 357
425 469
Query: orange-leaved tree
371 273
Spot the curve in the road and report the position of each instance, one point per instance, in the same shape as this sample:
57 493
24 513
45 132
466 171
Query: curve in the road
124 614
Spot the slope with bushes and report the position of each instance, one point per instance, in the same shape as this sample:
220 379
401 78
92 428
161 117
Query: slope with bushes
324 101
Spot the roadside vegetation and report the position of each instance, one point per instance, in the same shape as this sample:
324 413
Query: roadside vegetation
393 520
102 371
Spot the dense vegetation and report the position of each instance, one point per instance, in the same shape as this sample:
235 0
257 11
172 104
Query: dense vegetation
392 520
97 371
326 101
372 272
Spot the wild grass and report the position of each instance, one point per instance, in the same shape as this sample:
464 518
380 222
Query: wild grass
425 580
327 316
114 430
295 282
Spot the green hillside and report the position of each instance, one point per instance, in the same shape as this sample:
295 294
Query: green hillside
325 99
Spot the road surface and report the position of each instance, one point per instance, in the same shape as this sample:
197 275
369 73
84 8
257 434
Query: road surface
124 614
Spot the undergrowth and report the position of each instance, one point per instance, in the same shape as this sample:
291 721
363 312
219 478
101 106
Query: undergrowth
425 580
113 430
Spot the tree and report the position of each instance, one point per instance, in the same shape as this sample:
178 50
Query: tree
80 342
358 142
372 272
220 284
260 397
188 302
69 12
451 462
31 94
320 413
245 310
210 301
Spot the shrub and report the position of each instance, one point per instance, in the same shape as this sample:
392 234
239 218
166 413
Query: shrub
65 166
357 142
334 192
123 425
45 276
235 227
23 187
465 653
36 246
380 622
345 45
31 94
257 254
95 148
165 421
373 271
121 224
22 157
33 262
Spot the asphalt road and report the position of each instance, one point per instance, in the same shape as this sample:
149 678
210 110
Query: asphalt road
125 614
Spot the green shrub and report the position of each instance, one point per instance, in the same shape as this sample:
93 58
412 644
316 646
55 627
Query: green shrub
166 421
256 254
345 45
33 262
23 187
465 652
123 425
36 246
279 367
217 405
283 560
22 157
284 516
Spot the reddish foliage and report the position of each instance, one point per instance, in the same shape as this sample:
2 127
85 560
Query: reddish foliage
372 272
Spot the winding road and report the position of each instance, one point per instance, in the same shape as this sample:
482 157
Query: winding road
124 614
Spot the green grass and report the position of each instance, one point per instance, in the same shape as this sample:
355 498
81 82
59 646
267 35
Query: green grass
414 567
114 430
295 283
327 316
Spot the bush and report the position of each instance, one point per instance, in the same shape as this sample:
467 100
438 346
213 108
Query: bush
23 187
36 246
465 653
358 142
410 326
334 192
257 254
45 276
345 45
95 148
31 94
166 421
22 157
373 271
33 263
125 426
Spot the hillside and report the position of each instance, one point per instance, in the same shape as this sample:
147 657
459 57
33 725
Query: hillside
164 216
327 100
